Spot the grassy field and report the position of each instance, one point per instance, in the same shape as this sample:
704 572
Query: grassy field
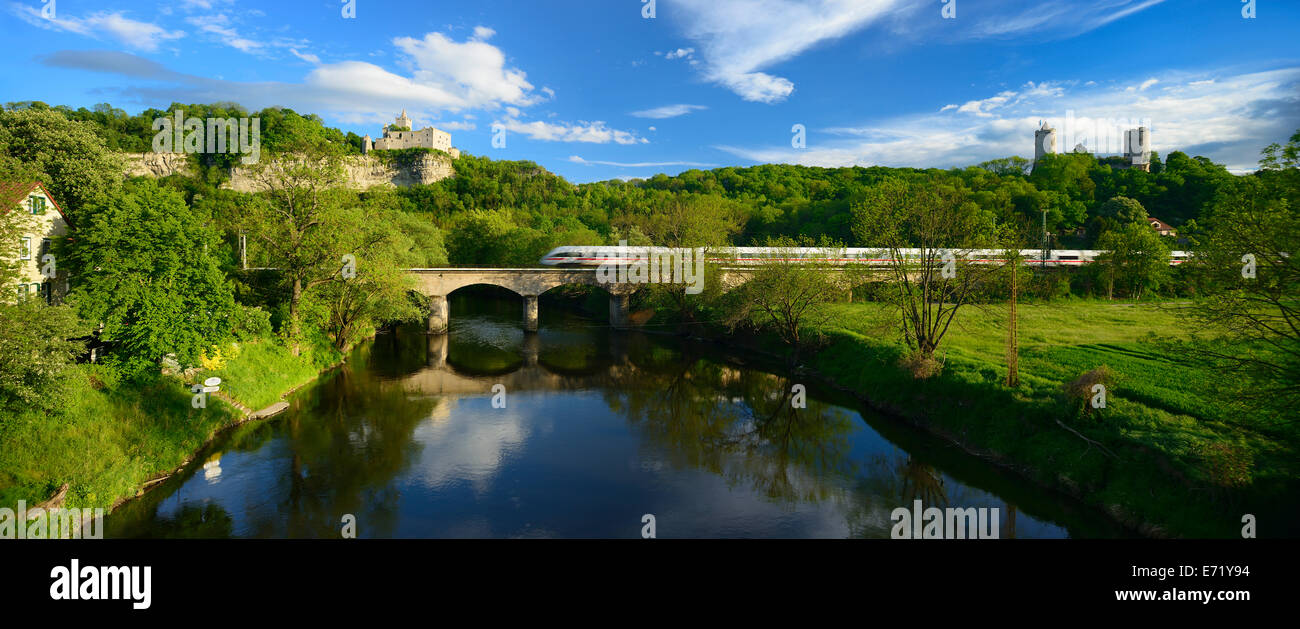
1188 459
109 437
262 372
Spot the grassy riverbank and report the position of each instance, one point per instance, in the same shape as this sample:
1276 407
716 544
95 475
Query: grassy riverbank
1187 460
111 436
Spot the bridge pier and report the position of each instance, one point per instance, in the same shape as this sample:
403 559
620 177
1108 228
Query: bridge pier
532 349
530 313
618 310
438 314
437 355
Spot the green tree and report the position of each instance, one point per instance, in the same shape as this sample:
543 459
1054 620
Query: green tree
1113 214
78 168
301 220
1123 210
143 267
929 288
1278 157
376 289
1135 258
1014 165
1247 259
683 221
789 294
36 347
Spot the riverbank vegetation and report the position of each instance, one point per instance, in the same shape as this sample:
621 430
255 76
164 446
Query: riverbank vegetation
1170 429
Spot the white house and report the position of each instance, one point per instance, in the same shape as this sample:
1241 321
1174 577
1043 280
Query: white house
48 223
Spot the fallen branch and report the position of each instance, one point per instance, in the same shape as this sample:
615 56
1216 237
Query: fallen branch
1090 441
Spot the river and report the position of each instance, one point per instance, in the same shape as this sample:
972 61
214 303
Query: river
574 432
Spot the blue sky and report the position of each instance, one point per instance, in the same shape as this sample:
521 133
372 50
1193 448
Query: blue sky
595 90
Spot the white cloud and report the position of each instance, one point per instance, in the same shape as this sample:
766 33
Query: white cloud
1227 118
482 32
444 76
667 111
581 131
680 53
595 162
741 41
1143 87
473 72
360 84
308 57
739 38
1042 19
221 26
131 33
1006 98
456 126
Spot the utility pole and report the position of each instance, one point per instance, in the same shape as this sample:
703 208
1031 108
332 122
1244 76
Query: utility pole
1044 243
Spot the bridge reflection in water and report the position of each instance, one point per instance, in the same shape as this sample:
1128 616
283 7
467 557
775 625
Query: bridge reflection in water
445 378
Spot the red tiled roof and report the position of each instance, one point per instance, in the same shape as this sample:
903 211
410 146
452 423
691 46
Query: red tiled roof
1157 223
13 193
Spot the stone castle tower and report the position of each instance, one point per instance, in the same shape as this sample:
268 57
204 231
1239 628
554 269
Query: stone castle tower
402 135
1044 141
403 121
1137 148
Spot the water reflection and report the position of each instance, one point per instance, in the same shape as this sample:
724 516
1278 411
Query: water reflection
597 429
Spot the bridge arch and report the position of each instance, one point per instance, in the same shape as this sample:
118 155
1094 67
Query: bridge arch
437 284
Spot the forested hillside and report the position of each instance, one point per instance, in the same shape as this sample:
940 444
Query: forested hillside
524 209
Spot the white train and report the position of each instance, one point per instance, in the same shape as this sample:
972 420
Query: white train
596 255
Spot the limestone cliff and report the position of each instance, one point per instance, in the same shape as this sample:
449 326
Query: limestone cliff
156 164
361 171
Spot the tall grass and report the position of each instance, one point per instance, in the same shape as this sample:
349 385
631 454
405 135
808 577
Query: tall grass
262 372
107 440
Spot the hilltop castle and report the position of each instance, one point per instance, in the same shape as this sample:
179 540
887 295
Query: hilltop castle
1137 147
401 135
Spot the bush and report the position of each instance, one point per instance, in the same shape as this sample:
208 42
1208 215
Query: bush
1049 284
1079 391
251 323
920 366
1226 465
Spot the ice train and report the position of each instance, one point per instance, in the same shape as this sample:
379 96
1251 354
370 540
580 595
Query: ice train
596 255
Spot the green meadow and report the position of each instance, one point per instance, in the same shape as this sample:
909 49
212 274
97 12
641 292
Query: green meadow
1174 452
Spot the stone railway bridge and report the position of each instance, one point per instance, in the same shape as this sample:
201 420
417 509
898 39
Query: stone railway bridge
529 283
437 284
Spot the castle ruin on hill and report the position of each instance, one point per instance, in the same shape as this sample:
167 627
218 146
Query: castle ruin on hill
401 135
1136 144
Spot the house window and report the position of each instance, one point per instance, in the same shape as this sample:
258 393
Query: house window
37 204
22 292
45 247
25 250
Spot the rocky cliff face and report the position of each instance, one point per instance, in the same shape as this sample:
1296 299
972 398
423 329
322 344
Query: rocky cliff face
361 171
156 164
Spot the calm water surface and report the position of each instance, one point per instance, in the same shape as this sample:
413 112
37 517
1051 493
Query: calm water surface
598 429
